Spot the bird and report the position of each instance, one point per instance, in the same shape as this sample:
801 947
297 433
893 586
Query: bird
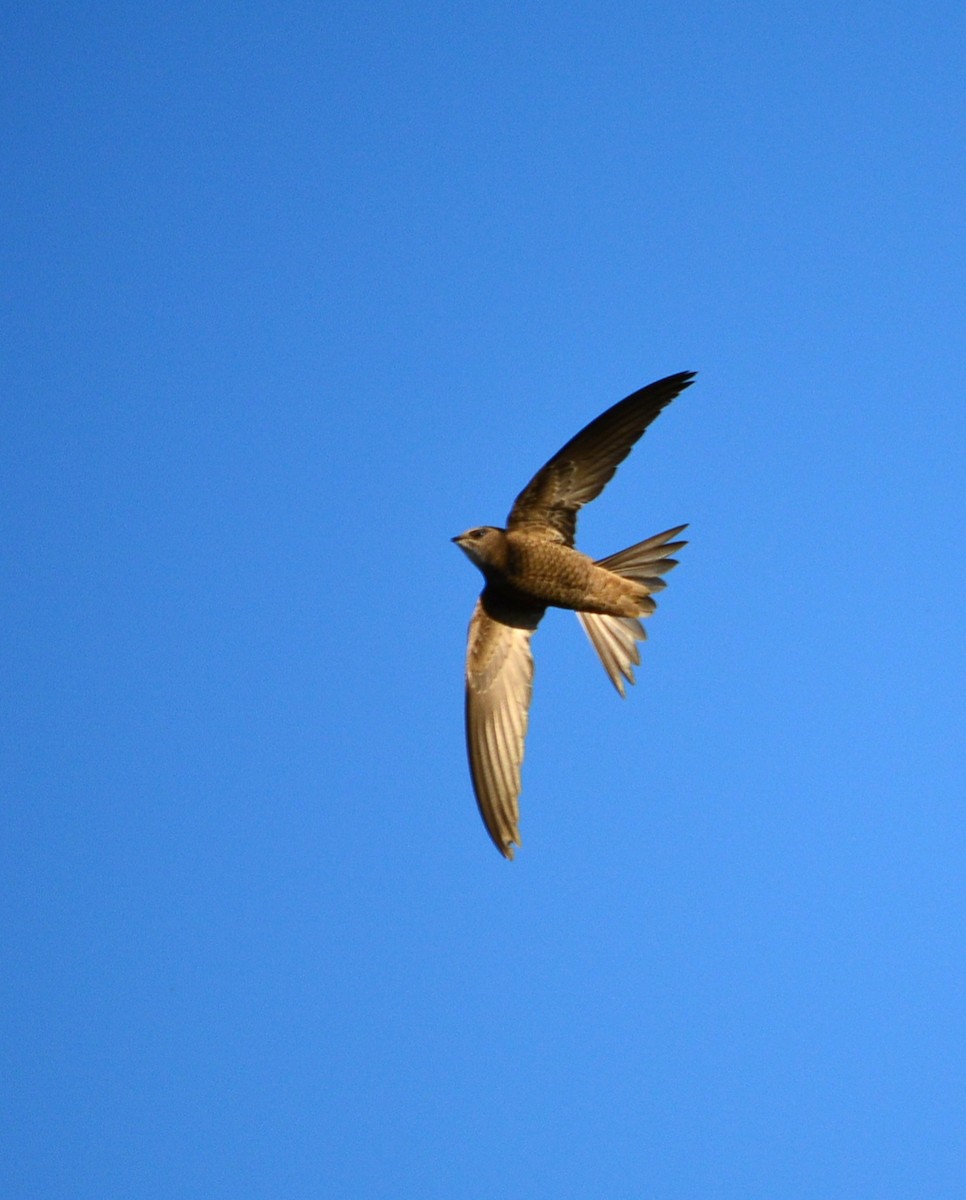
531 565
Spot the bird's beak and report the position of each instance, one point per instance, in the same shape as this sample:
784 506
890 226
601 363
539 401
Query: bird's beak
457 539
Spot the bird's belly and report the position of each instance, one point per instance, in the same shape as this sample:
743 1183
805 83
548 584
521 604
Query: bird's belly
557 575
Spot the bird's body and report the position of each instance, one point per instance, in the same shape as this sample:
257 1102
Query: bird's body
532 565
539 571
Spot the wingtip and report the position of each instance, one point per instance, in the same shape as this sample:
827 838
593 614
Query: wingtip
680 379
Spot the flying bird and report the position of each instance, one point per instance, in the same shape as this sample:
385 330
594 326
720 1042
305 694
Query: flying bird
532 565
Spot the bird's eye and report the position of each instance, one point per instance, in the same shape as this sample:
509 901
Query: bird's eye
476 534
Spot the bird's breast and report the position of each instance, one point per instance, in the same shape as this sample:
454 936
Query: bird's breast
549 572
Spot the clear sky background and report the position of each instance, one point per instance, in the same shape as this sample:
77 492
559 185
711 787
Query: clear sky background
292 294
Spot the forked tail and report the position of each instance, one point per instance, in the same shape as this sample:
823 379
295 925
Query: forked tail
615 638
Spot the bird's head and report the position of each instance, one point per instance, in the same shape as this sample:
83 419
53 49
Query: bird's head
485 546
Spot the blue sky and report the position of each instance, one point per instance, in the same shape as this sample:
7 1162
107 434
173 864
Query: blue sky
293 294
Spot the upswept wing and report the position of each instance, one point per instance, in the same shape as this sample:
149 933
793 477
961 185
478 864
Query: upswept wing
578 472
499 680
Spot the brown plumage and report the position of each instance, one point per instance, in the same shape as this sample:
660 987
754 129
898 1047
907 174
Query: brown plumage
532 565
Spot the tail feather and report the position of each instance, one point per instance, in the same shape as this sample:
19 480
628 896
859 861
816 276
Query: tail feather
615 638
648 560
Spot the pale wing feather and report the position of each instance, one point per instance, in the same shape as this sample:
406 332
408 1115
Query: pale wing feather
499 681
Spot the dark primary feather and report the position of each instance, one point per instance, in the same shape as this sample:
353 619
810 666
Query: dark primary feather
580 470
